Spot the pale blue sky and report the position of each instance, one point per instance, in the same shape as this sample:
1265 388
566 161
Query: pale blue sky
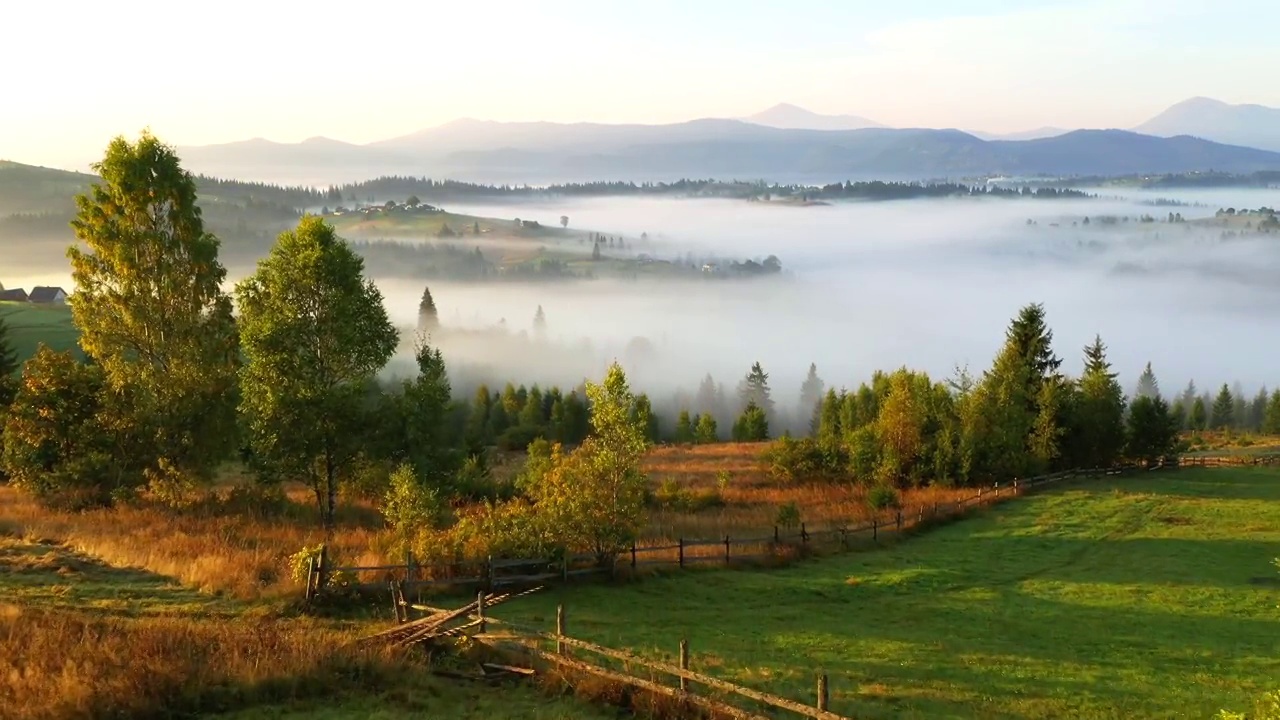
77 73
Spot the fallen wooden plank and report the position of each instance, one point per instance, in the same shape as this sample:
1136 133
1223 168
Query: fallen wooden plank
714 706
507 669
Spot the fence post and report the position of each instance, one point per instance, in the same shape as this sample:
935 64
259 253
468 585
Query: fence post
935 509
776 539
804 535
823 699
681 541
844 537
726 549
480 609
899 520
979 494
408 564
633 554
489 563
395 603
684 663
311 576
560 646
564 568
322 569
875 530
1015 486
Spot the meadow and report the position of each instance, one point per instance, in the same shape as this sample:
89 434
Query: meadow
30 325
1139 597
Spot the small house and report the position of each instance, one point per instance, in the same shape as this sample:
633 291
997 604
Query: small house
48 295
14 295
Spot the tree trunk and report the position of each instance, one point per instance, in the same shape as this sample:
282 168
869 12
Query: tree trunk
332 489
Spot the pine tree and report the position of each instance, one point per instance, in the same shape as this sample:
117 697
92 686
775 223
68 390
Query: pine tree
499 420
511 402
684 428
1152 433
1147 385
151 310
754 390
557 420
705 401
752 425
1033 339
1100 411
1258 410
1239 407
478 421
830 432
576 418
643 416
1223 416
1188 401
425 407
595 251
8 355
1271 421
539 324
428 316
811 397
531 412
1198 418
706 430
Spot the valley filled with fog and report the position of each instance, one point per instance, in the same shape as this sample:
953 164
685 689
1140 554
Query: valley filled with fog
930 284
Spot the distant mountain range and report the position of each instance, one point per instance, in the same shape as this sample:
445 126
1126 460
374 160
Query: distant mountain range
784 143
1248 125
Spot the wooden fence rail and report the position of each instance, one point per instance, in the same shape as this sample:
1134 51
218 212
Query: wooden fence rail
496 573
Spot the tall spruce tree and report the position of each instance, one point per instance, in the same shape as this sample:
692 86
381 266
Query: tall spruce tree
1198 418
9 364
1223 414
151 311
428 316
1152 433
1147 385
539 324
1271 421
1239 407
811 397
425 407
1033 340
1100 419
754 390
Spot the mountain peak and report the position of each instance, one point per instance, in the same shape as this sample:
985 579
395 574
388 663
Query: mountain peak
793 117
1247 125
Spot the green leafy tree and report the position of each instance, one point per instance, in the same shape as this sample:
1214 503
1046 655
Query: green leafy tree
1223 416
705 432
57 436
899 429
1100 411
428 316
411 506
151 311
595 495
315 332
752 425
413 201
830 429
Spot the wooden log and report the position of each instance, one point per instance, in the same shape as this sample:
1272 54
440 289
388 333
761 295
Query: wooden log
823 699
560 646
718 708
684 664
707 680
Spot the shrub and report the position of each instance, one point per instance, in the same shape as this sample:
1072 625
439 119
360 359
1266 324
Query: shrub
410 506
790 459
671 496
883 497
788 515
300 563
723 477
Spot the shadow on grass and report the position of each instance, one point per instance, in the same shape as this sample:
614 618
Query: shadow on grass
52 576
1241 483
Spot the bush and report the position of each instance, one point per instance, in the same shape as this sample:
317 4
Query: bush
519 437
410 506
671 496
788 515
723 478
791 459
883 497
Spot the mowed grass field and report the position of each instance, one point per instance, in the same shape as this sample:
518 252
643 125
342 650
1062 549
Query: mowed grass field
1145 597
30 325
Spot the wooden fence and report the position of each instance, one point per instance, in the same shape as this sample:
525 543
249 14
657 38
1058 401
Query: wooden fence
560 651
496 573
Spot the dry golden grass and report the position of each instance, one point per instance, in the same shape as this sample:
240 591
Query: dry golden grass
61 664
213 546
751 498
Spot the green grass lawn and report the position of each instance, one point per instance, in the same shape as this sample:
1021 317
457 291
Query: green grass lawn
1128 598
30 325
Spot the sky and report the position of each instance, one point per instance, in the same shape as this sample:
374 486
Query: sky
78 73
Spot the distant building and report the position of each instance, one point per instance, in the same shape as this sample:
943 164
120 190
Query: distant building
15 295
48 295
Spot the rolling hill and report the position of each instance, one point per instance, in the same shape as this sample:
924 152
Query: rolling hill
1255 126
791 117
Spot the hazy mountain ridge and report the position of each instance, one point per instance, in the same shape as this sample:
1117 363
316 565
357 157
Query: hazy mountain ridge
1255 126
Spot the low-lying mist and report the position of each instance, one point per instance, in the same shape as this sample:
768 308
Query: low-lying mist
930 284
